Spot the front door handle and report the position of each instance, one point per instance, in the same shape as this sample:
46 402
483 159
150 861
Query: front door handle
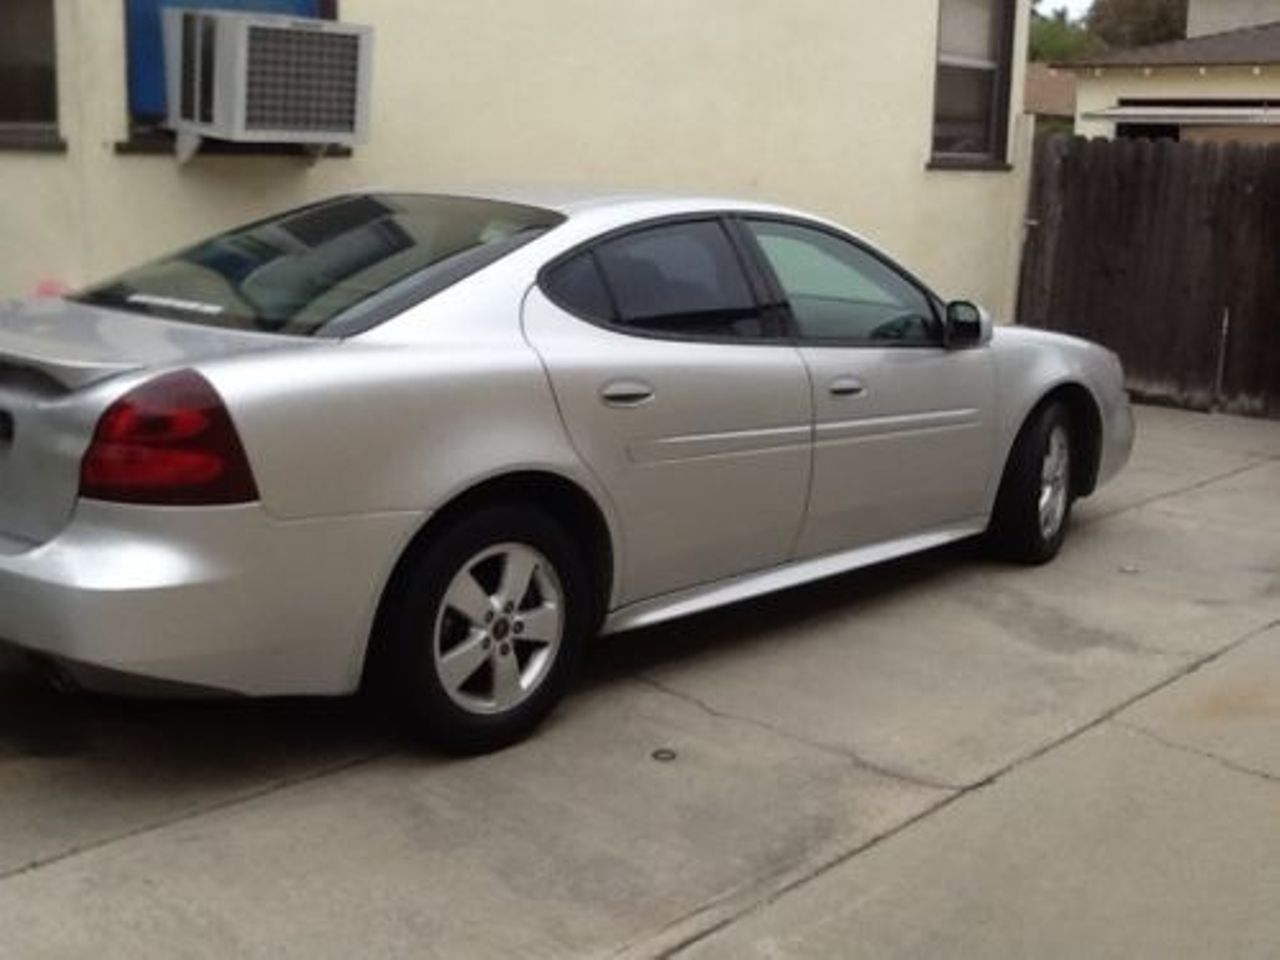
847 386
626 393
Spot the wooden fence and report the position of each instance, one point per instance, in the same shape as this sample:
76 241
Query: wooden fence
1169 254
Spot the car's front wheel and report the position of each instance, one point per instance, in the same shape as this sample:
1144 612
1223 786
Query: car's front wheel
1036 494
486 630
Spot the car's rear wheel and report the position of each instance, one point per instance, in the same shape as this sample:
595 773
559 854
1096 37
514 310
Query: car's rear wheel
1033 507
487 629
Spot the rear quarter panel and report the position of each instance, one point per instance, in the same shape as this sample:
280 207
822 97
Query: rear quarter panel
403 422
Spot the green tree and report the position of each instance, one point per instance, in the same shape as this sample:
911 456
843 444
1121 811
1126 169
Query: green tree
1057 37
1137 23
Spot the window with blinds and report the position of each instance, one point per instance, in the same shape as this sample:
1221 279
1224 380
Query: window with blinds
971 106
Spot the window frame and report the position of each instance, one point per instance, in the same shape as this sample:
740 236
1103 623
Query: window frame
780 330
779 296
996 156
40 136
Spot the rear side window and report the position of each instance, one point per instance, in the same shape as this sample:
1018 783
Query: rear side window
678 279
578 286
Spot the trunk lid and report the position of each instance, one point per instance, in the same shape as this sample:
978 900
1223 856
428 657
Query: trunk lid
56 360
76 345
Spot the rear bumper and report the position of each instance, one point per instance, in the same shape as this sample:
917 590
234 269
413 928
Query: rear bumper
223 598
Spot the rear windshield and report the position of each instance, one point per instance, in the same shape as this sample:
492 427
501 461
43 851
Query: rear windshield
329 269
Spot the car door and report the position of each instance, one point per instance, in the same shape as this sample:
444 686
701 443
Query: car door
683 396
902 425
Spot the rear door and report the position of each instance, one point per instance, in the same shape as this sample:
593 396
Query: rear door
902 425
683 396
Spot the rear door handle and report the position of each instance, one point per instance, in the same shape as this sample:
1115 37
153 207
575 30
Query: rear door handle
626 393
847 386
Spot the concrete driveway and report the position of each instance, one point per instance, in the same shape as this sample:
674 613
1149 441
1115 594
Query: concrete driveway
941 757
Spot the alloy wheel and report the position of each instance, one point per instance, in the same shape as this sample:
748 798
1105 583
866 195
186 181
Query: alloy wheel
499 628
1055 483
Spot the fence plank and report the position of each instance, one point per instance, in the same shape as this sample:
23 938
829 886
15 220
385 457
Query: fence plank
1143 246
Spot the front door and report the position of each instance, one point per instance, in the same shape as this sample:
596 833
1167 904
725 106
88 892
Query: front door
902 426
685 399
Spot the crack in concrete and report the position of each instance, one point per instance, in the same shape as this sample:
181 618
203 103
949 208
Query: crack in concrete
1170 494
1221 761
773 896
843 857
859 761
224 804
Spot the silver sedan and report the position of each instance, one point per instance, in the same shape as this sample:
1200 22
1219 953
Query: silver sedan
429 445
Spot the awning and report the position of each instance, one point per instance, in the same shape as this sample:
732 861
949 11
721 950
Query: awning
1199 116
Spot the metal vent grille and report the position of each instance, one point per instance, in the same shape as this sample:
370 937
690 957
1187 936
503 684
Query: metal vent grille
190 63
302 80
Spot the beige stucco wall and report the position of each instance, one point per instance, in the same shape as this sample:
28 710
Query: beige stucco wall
824 104
1100 89
1215 16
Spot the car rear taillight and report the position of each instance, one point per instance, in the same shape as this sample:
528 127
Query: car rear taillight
168 442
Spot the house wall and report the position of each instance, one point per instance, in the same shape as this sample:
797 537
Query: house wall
1215 16
1101 89
823 104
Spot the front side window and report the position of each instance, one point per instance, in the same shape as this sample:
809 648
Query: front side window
975 54
28 88
678 279
305 270
839 292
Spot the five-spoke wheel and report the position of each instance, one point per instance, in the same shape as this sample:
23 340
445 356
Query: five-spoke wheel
1055 482
485 624
499 628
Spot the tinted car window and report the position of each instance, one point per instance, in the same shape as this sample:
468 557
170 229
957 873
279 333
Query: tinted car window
296 273
838 291
578 286
683 279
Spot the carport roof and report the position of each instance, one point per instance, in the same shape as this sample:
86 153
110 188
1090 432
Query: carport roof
1260 116
1250 46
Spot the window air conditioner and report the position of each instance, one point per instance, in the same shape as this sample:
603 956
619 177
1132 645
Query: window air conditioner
258 78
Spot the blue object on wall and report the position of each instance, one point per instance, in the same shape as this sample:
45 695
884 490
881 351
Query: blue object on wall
147 99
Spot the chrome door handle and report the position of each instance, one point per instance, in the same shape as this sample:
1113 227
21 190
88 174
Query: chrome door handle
847 387
626 393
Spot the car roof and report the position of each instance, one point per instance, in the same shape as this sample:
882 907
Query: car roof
573 200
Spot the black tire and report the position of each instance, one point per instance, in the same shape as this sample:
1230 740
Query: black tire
1016 532
404 675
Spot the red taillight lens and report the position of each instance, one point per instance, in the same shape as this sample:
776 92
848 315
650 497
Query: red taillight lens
168 442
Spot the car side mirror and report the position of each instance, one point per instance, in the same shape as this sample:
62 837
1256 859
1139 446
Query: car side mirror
968 325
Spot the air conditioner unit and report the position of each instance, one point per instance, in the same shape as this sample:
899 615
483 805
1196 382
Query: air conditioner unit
260 78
